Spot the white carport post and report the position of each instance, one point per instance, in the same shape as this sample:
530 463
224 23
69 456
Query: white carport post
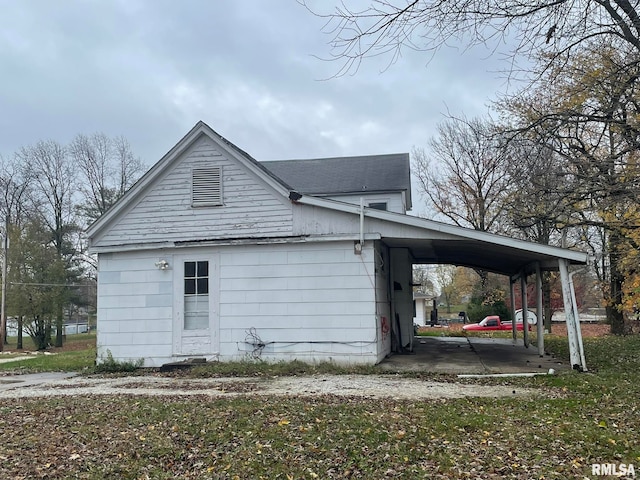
512 283
539 311
576 351
525 308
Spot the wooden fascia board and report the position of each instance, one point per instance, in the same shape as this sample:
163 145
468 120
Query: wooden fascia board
466 233
370 237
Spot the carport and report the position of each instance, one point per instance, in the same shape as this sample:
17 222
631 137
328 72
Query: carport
516 259
412 240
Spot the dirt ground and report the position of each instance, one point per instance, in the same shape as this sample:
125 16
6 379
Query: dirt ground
373 386
366 386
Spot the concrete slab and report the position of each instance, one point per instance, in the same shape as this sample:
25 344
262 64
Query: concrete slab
471 355
11 382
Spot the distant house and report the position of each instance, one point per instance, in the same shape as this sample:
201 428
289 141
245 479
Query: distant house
213 254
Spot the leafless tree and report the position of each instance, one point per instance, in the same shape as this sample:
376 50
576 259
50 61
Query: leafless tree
422 280
552 29
464 177
463 174
108 168
14 184
55 184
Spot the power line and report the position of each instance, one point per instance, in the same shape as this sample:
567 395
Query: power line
52 284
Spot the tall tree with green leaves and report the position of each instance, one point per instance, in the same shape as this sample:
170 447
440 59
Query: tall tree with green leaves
36 281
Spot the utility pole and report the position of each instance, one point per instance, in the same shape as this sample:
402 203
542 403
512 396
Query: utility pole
3 296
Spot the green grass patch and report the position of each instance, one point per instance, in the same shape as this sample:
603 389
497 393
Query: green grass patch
78 353
71 361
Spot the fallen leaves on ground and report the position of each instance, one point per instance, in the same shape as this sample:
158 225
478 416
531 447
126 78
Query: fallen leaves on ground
91 437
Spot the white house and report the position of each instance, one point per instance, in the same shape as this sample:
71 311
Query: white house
213 254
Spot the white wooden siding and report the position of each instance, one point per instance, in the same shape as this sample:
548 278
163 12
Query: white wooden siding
135 308
165 213
308 220
317 301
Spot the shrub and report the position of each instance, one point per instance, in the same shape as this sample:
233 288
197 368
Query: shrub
111 365
477 310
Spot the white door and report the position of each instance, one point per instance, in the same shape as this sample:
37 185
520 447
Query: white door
195 313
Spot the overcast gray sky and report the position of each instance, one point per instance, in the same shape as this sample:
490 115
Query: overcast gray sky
150 69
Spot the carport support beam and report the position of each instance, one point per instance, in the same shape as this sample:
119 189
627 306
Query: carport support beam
514 330
571 315
539 311
525 309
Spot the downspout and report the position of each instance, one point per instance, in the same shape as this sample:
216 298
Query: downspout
361 223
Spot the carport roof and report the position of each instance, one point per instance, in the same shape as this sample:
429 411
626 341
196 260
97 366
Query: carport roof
431 242
481 254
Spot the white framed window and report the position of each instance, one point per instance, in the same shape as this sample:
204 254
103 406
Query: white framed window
206 187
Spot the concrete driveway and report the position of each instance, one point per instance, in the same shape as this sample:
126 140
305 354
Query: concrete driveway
472 355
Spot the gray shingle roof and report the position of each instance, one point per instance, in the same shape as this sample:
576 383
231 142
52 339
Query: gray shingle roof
346 175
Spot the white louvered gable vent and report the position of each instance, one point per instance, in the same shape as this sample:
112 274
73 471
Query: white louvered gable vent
206 187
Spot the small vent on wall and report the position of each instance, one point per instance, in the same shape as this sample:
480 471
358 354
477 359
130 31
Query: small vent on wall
206 187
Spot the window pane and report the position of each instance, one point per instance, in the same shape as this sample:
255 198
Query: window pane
378 205
189 286
203 286
203 269
196 313
189 269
